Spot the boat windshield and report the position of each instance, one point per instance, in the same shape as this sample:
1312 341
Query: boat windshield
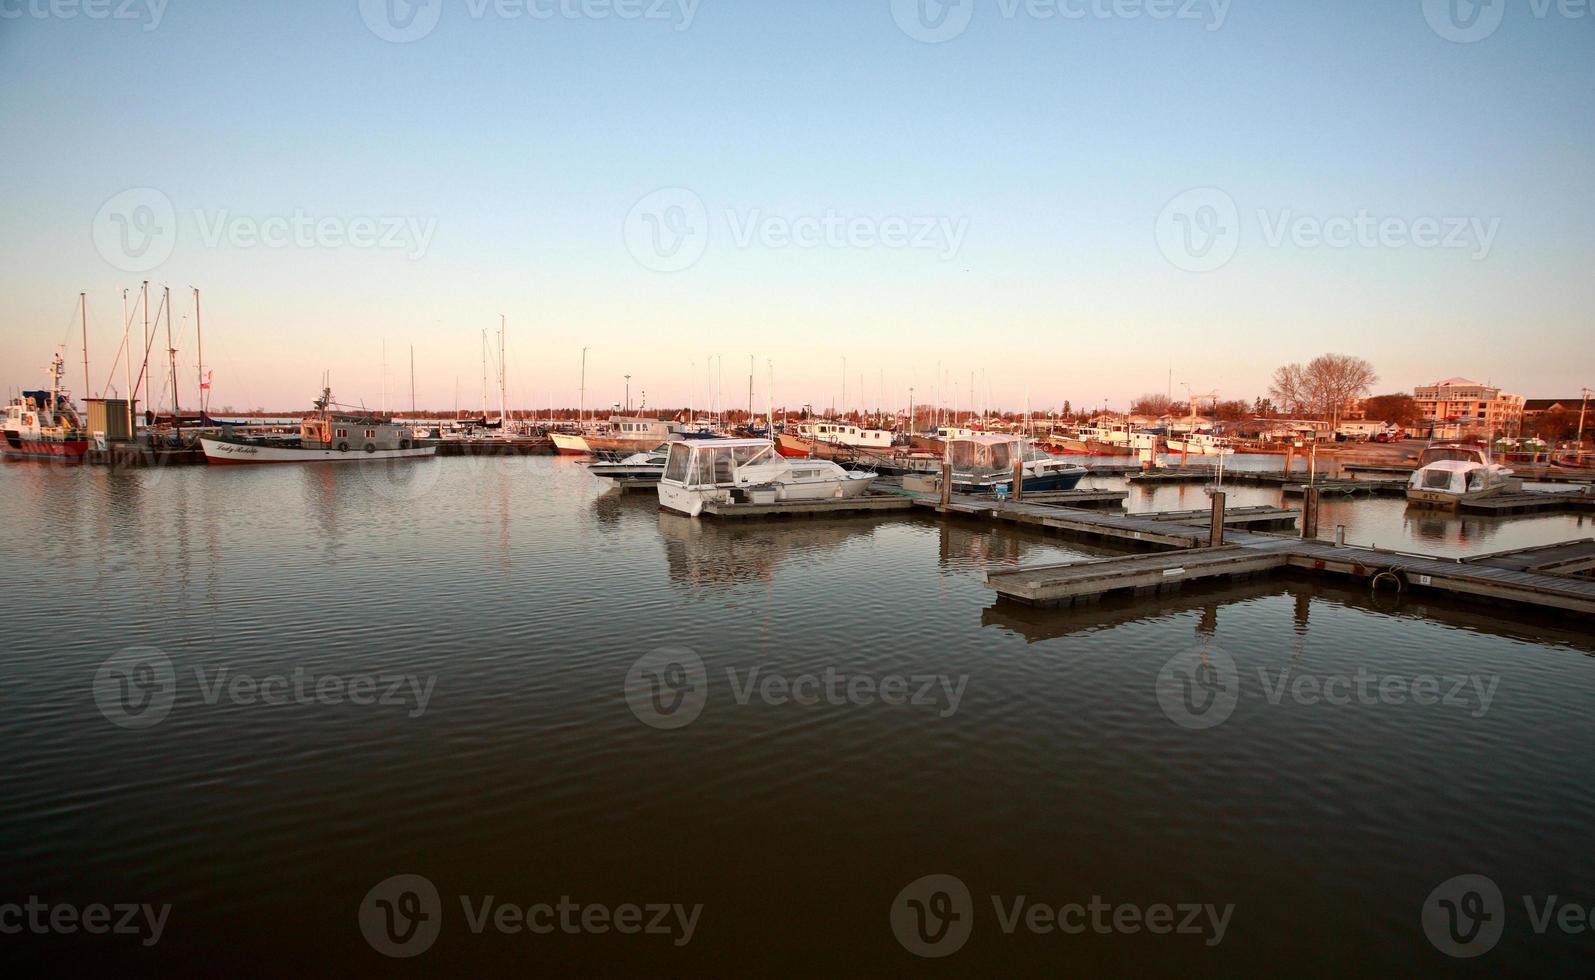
1460 454
712 464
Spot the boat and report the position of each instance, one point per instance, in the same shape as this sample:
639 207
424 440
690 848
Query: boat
699 471
43 424
804 439
1200 444
1449 473
982 462
325 436
570 443
635 469
629 434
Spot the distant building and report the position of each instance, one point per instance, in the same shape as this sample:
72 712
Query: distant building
1533 408
1458 404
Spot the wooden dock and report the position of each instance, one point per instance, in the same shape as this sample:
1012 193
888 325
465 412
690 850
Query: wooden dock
1562 558
1548 578
1175 529
1529 502
871 503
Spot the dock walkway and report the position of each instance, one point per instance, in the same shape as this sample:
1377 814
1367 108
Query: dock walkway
1547 578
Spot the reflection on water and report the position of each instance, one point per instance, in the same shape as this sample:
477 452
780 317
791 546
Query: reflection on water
528 592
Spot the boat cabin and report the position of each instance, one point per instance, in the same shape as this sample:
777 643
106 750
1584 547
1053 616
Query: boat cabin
704 463
637 427
353 433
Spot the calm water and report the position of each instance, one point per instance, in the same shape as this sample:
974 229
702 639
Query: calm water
1042 758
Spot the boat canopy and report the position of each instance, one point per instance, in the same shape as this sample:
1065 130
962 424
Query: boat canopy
984 451
1457 453
713 462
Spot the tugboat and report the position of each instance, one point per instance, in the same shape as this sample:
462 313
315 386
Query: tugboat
43 424
326 436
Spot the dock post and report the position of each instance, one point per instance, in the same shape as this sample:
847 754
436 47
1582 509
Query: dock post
1215 536
1340 535
1018 480
946 484
1309 513
1290 457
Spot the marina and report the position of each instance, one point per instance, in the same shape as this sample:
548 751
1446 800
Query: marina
890 489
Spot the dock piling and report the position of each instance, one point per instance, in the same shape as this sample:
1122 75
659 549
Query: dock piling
1309 513
946 484
1018 480
1215 536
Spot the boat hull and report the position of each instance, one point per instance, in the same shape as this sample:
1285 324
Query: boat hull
1061 480
612 444
570 444
221 453
21 447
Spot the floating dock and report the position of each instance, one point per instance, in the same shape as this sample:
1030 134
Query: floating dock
1547 578
870 503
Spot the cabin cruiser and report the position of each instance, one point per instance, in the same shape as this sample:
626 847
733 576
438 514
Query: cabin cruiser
1200 444
1451 472
813 438
325 436
700 471
983 461
634 469
44 424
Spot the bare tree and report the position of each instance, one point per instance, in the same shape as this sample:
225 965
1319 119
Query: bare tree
1323 386
1153 405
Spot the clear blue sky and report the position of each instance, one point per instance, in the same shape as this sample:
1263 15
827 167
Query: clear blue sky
1053 144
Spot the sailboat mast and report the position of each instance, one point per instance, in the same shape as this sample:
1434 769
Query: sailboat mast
199 354
503 400
177 412
83 303
144 374
484 374
127 365
412 381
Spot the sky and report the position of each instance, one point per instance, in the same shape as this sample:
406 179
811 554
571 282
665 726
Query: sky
1046 200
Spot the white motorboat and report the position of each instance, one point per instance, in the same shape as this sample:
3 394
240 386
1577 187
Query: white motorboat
635 469
1450 472
700 471
325 436
1200 444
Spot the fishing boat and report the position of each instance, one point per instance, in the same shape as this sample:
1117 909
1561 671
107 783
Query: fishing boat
43 424
629 434
982 462
1449 473
634 469
1200 444
325 436
701 471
